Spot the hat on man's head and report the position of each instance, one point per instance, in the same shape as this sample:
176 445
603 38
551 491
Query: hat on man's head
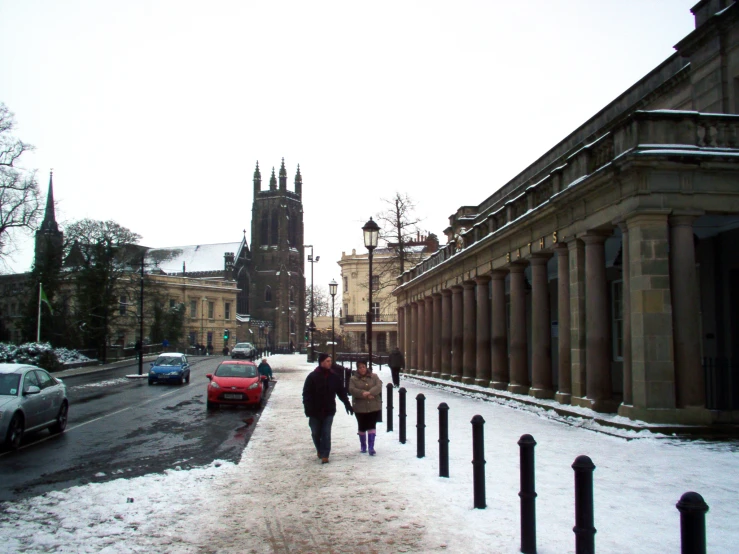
322 356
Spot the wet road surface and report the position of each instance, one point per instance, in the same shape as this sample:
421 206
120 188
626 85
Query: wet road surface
121 427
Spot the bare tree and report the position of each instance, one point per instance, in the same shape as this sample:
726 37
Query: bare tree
321 302
20 204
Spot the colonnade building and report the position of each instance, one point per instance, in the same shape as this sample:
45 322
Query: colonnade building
606 274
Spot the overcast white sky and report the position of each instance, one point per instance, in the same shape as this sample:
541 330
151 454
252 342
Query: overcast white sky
153 113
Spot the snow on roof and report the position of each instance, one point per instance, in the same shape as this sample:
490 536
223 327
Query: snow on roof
198 257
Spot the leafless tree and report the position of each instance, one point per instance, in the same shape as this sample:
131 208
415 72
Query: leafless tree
20 203
321 302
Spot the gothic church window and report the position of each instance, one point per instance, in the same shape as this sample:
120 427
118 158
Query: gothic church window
264 229
292 295
275 225
268 294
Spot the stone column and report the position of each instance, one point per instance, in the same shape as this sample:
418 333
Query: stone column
482 358
408 336
429 337
469 355
401 329
564 387
690 380
519 356
436 352
412 359
421 342
626 309
576 255
541 333
597 338
457 333
500 376
446 334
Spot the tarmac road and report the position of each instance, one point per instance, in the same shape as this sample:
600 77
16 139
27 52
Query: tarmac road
121 427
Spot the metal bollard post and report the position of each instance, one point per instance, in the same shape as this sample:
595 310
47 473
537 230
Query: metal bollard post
389 407
528 494
401 413
443 440
584 528
693 510
478 460
420 426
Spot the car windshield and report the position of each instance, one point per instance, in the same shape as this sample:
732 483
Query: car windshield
236 370
168 360
9 384
243 345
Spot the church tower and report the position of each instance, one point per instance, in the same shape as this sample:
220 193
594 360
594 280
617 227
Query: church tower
49 239
278 268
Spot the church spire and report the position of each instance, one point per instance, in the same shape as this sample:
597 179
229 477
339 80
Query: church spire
49 224
298 183
273 180
257 180
283 176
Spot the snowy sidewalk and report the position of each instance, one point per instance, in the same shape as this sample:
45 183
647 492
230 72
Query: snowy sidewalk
280 498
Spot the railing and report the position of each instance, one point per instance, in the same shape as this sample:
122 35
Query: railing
382 318
722 384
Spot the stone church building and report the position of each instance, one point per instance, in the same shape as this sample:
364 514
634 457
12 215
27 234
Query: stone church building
606 274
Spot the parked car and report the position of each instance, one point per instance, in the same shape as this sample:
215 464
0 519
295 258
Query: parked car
171 367
31 399
244 350
234 382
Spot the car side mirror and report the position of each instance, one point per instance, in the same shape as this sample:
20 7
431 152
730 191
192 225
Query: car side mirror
33 389
209 376
151 364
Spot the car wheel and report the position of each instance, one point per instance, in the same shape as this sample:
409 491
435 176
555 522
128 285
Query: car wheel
187 379
151 382
61 419
15 432
182 380
211 405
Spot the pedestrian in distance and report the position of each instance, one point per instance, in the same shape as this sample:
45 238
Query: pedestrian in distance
320 390
265 371
396 363
365 389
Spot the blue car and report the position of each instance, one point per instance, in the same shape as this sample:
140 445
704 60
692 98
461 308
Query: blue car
170 368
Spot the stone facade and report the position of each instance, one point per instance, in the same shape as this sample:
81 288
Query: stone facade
602 274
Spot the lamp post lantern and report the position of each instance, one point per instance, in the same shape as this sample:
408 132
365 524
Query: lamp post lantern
371 233
312 325
332 286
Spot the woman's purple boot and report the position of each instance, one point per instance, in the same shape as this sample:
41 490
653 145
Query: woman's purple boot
371 442
363 442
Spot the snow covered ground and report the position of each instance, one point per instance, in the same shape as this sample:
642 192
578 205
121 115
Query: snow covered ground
280 498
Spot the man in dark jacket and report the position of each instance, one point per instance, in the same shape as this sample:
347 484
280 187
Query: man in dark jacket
319 400
396 363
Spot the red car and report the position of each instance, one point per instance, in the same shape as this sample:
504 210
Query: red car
234 382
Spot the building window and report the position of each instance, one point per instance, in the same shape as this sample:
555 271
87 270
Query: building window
268 294
193 308
292 296
171 303
375 311
375 282
227 311
122 306
210 338
211 309
346 310
193 337
274 225
346 284
617 315
382 342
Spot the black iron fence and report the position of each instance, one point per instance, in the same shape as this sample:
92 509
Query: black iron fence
362 318
722 383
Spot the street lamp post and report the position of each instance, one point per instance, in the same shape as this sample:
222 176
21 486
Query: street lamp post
312 325
332 286
371 234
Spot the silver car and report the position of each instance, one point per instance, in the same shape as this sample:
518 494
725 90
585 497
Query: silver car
30 399
244 350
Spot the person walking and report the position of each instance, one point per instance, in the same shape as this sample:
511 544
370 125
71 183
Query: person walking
319 402
396 363
365 389
265 373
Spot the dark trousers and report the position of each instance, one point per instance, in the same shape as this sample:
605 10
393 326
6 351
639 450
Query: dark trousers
320 430
396 375
366 422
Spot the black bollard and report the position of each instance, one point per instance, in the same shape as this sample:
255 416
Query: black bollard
443 440
478 460
693 510
401 413
420 426
528 494
389 407
584 521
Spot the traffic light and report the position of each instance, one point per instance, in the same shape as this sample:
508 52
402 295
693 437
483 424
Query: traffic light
225 334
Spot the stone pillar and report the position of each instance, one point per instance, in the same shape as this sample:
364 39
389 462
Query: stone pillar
689 377
626 308
401 329
500 376
446 334
597 313
564 386
412 359
436 351
469 355
429 337
576 250
421 341
457 333
541 333
519 356
482 358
